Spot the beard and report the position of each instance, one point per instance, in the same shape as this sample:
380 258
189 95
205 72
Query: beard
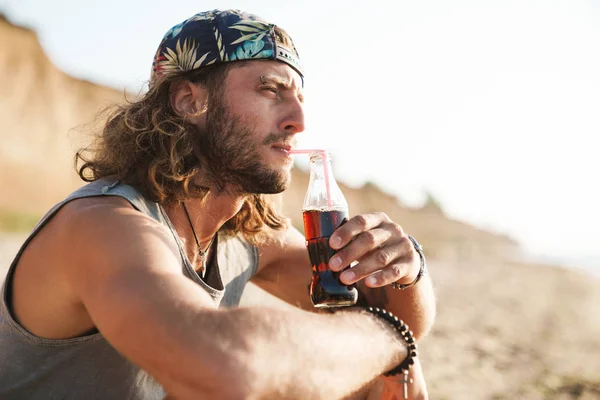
231 155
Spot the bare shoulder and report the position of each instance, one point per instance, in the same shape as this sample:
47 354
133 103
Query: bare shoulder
92 239
109 233
88 243
103 214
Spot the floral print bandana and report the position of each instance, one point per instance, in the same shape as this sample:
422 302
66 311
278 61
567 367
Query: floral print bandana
217 36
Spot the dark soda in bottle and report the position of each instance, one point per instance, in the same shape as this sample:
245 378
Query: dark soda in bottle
324 210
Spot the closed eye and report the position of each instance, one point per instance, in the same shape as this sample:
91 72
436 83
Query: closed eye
270 89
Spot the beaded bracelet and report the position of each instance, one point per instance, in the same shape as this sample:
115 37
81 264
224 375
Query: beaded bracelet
406 336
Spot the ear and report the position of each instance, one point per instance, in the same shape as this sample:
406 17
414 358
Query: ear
189 100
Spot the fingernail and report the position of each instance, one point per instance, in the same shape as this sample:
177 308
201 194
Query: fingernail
335 263
336 241
347 277
371 281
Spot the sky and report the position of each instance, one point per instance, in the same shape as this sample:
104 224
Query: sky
491 106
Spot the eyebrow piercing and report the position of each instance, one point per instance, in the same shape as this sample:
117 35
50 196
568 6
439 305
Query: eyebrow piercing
263 80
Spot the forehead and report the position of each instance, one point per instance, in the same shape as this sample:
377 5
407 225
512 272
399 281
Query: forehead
250 72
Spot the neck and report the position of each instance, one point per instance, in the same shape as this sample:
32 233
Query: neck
208 215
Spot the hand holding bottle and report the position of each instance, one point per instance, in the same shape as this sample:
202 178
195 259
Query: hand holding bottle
324 210
383 250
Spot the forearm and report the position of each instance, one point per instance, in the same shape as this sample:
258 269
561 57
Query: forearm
166 325
294 354
415 305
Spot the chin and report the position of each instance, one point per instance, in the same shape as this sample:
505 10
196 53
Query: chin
279 185
272 183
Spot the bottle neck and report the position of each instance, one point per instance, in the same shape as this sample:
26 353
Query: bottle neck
321 170
323 191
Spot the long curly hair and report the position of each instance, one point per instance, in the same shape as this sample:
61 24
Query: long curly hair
147 145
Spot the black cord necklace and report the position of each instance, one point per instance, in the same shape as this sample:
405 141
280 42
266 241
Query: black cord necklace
200 251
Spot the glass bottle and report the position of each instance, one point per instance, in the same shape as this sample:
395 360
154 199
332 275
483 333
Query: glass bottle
324 210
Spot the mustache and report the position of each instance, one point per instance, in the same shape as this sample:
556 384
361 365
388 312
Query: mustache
280 138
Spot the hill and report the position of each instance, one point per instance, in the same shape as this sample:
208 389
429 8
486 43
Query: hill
40 106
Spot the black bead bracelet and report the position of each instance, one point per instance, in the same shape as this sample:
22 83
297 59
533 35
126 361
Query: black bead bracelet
406 336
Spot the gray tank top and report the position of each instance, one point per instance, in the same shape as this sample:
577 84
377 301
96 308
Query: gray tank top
88 367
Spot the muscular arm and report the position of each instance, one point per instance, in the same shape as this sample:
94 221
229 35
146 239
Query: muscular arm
125 271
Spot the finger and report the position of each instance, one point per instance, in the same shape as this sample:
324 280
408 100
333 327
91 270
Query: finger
356 225
376 277
399 249
358 248
394 261
389 274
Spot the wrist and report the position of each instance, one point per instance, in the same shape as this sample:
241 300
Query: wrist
403 334
397 340
381 338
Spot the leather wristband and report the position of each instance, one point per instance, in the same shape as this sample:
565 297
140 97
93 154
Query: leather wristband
422 270
405 335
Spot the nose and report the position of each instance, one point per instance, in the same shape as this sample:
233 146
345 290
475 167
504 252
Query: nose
294 120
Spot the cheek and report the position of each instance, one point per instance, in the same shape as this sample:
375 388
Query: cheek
250 103
256 116
255 111
243 101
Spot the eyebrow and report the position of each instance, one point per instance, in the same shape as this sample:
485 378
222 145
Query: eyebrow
281 84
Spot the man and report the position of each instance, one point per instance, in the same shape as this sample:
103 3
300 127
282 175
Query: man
116 293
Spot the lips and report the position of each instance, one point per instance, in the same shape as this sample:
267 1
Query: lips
282 146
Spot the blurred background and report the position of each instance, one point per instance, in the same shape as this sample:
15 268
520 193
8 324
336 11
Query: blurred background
471 123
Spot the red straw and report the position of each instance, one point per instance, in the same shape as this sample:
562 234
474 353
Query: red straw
323 154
